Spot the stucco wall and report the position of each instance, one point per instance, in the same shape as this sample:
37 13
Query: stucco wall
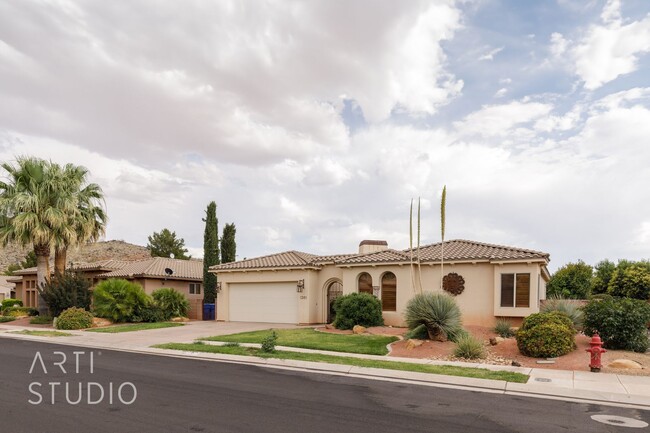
479 302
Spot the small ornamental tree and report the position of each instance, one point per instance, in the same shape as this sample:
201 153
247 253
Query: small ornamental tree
210 253
571 281
66 290
631 282
603 272
228 244
165 243
621 322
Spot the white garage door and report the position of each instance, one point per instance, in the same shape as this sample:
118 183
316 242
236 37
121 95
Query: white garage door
264 302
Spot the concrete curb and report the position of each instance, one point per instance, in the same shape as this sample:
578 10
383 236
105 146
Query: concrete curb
426 379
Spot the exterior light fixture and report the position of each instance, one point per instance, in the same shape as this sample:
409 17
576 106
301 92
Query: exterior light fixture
301 286
218 286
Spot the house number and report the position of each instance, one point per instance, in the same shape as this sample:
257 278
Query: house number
303 297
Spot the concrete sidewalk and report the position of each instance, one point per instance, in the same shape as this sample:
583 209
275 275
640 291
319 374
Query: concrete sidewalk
600 388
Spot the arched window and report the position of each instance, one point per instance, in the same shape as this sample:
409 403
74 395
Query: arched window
365 283
389 292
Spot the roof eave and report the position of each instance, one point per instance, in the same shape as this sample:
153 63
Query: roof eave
268 268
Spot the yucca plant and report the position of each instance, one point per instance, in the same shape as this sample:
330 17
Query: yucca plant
438 312
565 306
119 300
469 347
503 328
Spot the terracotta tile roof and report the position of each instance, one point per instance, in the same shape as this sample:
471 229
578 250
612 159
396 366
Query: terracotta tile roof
455 250
155 268
287 259
384 256
102 265
460 249
108 265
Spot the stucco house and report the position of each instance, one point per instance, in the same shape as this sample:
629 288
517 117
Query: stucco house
186 277
492 281
7 287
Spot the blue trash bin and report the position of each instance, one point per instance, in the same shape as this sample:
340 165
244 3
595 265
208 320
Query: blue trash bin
208 311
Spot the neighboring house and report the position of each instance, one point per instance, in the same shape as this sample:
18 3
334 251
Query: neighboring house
296 287
186 277
7 288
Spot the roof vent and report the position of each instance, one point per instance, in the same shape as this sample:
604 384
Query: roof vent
372 246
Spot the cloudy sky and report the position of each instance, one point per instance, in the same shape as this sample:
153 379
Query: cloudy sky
313 124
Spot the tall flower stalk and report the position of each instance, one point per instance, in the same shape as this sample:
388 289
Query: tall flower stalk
443 205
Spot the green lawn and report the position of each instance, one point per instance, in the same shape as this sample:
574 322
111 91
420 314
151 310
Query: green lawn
478 373
43 333
310 339
132 327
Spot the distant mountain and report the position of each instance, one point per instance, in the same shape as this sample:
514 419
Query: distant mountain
117 250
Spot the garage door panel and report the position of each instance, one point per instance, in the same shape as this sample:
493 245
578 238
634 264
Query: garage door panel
264 302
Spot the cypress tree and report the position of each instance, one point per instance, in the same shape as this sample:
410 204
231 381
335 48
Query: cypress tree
228 244
210 253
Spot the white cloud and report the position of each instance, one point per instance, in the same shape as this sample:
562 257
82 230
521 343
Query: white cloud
501 92
490 54
607 50
501 119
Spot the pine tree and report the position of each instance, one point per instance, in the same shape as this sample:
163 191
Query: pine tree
165 243
210 253
228 244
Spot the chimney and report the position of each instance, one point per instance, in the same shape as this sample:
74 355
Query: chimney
372 246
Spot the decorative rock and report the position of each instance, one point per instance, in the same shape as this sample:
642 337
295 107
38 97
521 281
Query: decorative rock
625 364
99 322
413 343
329 326
358 329
180 319
515 364
493 341
499 339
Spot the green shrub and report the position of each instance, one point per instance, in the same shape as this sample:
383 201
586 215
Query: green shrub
503 328
20 311
40 320
621 322
172 302
469 347
119 300
546 340
268 344
5 319
150 313
74 318
631 282
10 302
537 319
419 333
63 291
357 309
438 312
568 308
573 280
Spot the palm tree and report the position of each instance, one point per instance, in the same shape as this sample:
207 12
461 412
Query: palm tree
88 222
33 210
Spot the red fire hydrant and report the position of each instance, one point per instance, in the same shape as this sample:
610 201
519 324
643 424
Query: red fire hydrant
595 350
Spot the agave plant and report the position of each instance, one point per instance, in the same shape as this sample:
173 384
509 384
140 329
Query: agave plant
565 306
438 312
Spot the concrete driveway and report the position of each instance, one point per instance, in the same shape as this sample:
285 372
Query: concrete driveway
143 339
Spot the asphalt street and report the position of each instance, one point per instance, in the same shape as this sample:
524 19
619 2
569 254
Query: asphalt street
148 393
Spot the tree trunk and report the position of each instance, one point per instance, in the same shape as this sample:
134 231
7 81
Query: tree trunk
42 274
60 257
